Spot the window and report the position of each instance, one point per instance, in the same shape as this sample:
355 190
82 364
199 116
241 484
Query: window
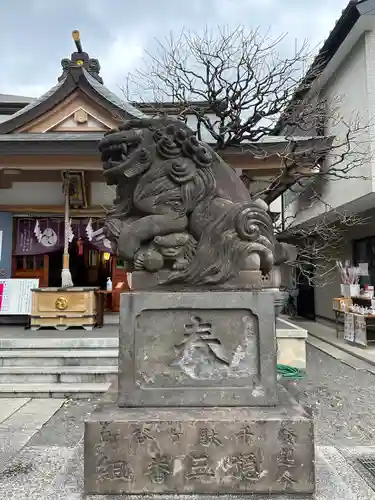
93 258
29 263
364 251
39 262
19 263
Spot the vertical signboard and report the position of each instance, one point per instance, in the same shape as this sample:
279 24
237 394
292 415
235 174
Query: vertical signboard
15 296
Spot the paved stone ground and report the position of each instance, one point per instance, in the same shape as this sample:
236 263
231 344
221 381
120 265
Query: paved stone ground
46 464
342 400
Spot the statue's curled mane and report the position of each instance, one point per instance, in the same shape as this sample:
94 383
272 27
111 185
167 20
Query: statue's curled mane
168 182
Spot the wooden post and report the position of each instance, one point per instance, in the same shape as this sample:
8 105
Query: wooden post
66 277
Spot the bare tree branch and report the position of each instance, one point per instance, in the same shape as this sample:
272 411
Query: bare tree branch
237 87
240 77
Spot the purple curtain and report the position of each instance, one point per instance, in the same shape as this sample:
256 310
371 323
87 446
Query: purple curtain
40 236
33 239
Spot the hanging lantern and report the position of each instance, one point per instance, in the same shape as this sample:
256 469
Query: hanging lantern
106 256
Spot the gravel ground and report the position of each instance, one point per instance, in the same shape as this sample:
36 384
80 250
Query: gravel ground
341 398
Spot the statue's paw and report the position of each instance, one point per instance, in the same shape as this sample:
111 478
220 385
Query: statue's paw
153 261
139 262
252 262
180 264
172 239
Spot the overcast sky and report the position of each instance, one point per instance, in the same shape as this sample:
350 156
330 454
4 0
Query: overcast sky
36 34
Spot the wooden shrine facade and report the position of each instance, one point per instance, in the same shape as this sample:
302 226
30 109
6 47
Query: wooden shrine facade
59 132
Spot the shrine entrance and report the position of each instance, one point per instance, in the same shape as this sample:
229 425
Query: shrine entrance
89 266
38 253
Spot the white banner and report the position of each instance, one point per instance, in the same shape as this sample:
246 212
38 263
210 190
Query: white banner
349 327
360 330
15 296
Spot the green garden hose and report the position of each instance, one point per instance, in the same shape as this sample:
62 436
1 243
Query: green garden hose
289 372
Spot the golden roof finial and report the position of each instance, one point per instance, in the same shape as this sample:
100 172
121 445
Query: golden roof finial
77 40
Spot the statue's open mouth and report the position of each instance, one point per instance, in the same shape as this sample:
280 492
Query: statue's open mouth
120 154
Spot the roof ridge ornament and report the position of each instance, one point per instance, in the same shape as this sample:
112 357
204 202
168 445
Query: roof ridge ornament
77 40
80 59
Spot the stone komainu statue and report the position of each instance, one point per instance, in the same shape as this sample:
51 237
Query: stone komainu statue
180 207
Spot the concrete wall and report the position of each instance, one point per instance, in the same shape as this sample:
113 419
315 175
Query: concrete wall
347 93
323 295
38 193
370 58
50 193
6 226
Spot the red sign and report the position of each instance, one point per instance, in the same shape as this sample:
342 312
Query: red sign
1 294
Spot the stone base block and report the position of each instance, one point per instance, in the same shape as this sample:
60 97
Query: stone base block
291 344
199 451
198 348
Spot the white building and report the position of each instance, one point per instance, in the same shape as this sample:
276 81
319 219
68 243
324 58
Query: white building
347 82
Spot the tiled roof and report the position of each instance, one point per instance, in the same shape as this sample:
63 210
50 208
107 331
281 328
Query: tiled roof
113 98
94 84
51 136
96 136
14 99
349 10
36 101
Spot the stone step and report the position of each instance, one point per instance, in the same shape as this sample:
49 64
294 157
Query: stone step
111 319
59 343
58 357
77 391
57 374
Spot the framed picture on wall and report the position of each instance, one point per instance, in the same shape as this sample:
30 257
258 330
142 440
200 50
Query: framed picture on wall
77 189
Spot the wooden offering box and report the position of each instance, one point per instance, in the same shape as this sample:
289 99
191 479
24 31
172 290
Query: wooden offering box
61 308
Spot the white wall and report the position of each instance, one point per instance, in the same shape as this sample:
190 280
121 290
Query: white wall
205 134
33 193
348 94
370 58
276 206
50 193
324 295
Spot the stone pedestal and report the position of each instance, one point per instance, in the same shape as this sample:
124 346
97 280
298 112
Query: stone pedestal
200 450
198 407
197 349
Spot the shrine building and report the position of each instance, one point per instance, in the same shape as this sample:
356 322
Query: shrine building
42 138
